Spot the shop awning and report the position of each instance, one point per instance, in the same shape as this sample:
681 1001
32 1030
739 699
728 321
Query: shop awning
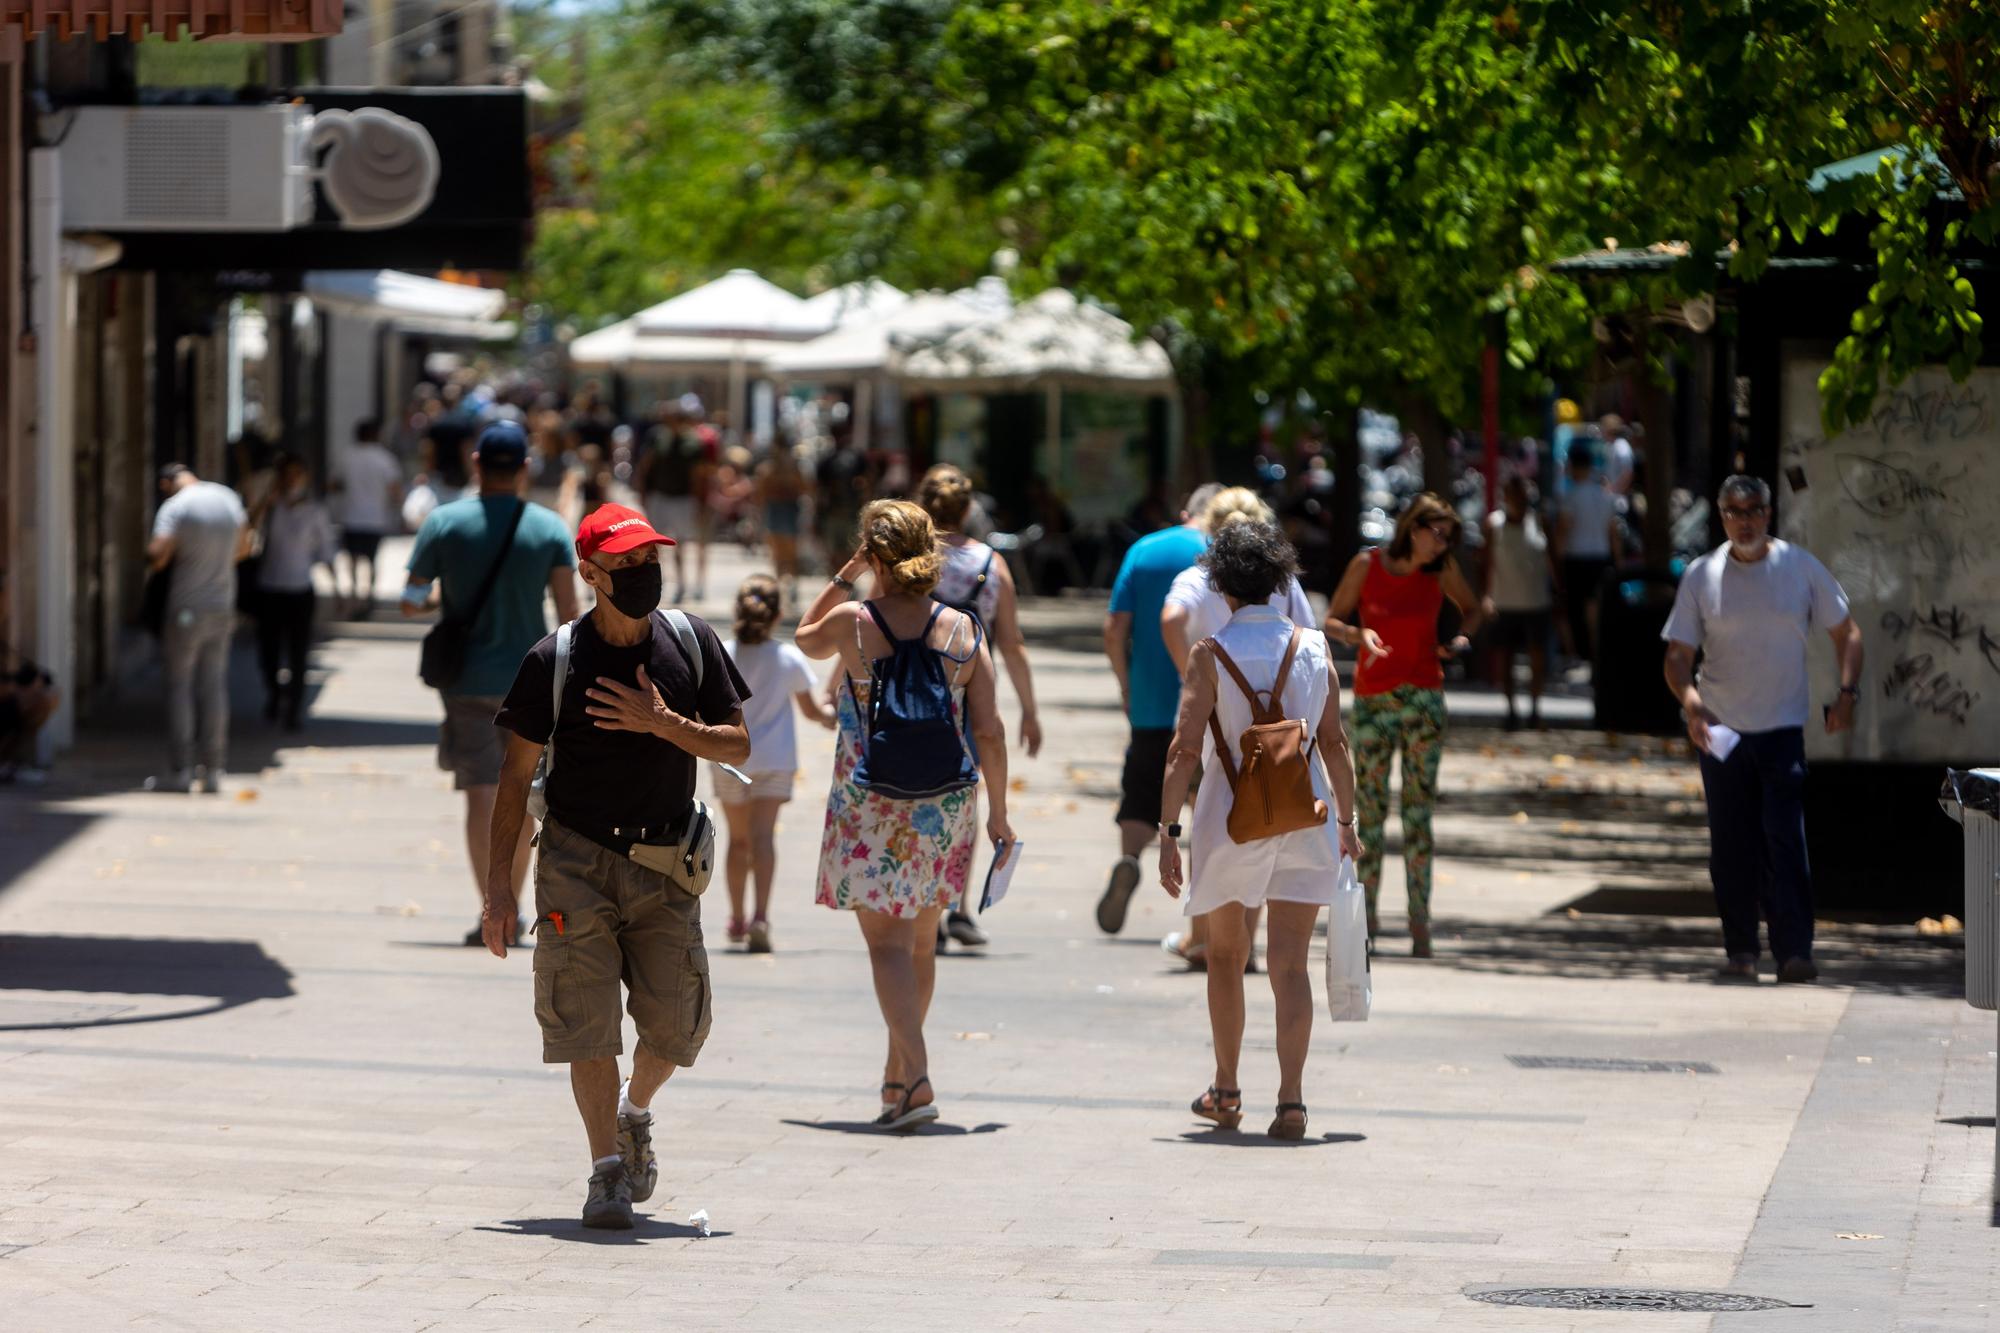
413 304
737 305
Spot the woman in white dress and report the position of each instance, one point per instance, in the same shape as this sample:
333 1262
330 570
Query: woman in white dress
1291 874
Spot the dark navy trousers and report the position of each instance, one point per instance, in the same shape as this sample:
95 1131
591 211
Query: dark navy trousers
1757 843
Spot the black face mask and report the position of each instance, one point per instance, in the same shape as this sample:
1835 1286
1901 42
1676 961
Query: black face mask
635 589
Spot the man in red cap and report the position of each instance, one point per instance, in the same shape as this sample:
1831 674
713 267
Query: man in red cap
625 700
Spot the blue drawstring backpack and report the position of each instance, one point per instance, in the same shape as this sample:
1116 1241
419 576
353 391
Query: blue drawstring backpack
915 745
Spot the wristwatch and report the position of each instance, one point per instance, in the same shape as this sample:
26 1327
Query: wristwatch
1171 830
846 584
1854 690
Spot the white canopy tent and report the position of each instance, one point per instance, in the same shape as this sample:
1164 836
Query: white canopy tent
724 328
1052 340
854 301
1052 343
865 351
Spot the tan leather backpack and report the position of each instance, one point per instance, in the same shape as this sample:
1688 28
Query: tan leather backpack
1274 792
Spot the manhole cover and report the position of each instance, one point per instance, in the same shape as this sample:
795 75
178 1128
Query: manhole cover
1629 1298
1609 1065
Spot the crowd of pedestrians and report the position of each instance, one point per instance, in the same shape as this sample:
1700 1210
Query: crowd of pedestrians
578 746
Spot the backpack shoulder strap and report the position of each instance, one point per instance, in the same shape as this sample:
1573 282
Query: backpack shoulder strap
881 624
1276 711
985 568
565 640
683 631
1228 663
493 570
1222 750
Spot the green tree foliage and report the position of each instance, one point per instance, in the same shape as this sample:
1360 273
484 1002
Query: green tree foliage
1333 197
1717 114
671 175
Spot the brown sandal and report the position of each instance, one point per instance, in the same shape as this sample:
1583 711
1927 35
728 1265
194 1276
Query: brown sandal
1209 1106
1292 1130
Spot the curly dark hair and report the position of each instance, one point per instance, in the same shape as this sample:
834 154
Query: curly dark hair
1250 562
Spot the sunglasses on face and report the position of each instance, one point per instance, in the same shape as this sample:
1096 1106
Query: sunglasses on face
1440 528
1739 511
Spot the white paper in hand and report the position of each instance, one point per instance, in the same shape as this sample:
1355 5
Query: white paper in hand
1006 855
1722 741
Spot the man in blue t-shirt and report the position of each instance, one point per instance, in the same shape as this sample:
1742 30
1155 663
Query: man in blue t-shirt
455 550
1150 686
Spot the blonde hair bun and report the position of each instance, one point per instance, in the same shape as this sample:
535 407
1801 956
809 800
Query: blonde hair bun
903 540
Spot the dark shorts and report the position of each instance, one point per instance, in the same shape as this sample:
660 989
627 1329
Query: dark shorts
620 923
361 545
1522 631
471 745
1145 771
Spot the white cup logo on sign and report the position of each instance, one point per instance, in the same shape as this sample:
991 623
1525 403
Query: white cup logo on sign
381 169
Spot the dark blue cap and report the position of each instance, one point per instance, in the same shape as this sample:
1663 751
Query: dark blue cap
503 445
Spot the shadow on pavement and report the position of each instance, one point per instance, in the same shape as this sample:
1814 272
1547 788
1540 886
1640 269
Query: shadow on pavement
228 973
1228 1138
569 1229
1969 1121
935 1129
1886 959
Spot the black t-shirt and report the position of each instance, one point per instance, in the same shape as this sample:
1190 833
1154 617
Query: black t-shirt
620 779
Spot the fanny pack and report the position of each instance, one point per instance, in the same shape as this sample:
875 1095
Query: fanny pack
689 859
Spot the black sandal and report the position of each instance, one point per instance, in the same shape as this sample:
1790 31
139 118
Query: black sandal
1215 1110
887 1100
904 1117
1282 1128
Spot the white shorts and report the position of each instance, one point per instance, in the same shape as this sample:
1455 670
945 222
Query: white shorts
672 516
764 786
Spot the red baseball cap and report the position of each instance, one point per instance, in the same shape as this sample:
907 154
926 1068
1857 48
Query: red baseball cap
614 530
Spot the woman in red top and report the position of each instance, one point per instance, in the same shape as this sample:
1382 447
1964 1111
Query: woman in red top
1399 688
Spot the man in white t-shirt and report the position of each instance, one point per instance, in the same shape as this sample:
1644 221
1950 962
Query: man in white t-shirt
1585 538
371 506
1750 607
1619 454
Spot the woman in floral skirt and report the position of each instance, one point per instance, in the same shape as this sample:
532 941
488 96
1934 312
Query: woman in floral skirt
898 864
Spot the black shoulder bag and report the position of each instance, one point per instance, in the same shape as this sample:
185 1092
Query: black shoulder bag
443 659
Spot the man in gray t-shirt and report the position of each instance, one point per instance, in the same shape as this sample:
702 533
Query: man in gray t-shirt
1749 608
199 532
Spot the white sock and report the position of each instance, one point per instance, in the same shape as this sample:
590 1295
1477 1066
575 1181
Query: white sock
625 1105
604 1163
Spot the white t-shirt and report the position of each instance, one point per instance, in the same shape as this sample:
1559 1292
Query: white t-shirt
1207 612
774 671
366 476
1520 555
1618 463
1753 623
1590 508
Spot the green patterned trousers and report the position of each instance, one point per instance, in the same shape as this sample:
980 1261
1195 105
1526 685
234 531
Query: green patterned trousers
1409 721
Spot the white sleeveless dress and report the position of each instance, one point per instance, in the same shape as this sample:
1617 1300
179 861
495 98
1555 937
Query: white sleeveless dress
1296 867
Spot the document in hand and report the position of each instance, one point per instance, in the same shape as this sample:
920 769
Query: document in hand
1722 741
1006 855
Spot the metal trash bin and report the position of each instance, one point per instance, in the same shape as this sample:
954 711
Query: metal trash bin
1972 797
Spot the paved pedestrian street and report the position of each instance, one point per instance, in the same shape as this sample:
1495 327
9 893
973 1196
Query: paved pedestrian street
249 1079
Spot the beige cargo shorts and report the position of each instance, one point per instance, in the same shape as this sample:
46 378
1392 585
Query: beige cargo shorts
620 923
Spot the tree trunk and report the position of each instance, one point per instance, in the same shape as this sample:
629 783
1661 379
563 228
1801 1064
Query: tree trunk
1418 416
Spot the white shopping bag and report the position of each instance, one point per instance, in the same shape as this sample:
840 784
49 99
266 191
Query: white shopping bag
1349 992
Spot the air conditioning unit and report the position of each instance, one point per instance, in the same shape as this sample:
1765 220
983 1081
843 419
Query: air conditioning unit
237 168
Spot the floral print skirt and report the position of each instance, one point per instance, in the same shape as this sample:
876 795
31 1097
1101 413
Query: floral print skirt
891 856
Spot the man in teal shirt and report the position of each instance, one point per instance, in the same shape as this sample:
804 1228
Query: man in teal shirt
455 550
1151 688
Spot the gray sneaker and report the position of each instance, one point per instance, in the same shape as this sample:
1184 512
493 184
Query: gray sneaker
609 1207
635 1145
211 780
